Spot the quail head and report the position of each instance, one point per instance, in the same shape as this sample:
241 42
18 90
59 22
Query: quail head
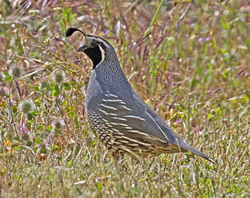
117 115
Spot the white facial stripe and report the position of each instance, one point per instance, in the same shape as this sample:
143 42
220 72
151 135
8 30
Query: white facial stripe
100 40
102 53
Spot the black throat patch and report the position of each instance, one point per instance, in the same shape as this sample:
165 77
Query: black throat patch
94 54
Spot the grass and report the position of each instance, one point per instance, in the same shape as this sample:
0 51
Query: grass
188 60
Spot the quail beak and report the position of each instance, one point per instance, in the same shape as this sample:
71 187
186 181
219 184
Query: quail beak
82 48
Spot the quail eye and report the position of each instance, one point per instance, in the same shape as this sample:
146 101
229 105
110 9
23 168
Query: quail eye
94 44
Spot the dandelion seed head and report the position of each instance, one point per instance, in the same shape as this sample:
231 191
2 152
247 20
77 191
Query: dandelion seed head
59 77
26 106
16 71
58 124
43 84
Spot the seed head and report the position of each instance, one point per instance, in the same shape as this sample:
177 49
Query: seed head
26 106
58 124
16 71
43 84
1 77
59 77
59 100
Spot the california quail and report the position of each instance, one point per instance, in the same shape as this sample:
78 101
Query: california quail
116 114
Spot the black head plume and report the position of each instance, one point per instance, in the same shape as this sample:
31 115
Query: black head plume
70 31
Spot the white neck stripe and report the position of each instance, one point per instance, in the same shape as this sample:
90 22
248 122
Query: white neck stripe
102 53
